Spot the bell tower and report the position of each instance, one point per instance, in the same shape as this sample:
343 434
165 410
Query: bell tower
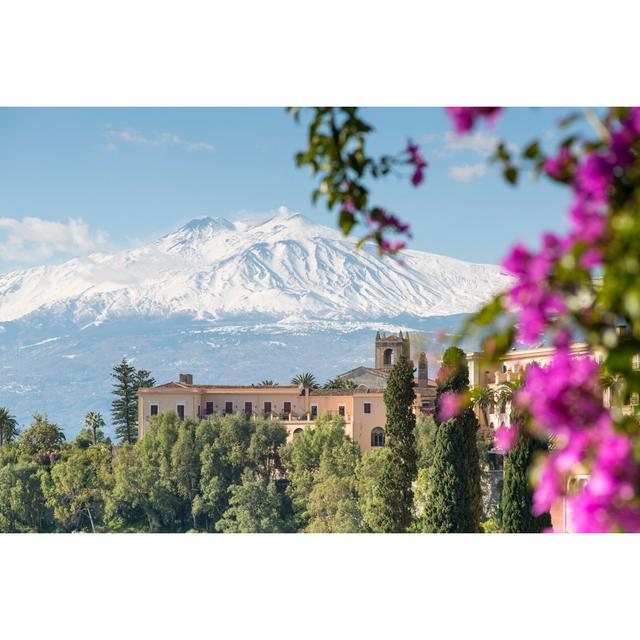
389 349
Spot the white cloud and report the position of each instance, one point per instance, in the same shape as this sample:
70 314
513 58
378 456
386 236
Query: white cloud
479 142
467 172
200 146
161 140
32 240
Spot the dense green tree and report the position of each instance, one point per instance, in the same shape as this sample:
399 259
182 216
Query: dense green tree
146 478
255 506
185 471
223 446
78 486
400 468
340 383
425 440
303 458
264 448
448 509
517 492
8 426
41 442
454 498
22 503
333 502
371 498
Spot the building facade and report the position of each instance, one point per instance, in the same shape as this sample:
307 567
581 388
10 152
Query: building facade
498 377
362 407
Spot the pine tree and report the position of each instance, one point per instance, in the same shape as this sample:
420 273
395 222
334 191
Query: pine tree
517 495
454 503
400 466
124 408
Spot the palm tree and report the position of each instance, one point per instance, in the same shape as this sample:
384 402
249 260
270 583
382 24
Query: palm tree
8 426
483 398
339 383
616 386
305 380
94 421
267 383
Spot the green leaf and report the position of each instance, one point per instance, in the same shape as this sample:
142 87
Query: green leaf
347 221
532 151
510 174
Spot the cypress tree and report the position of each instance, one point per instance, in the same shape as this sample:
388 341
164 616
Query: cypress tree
454 502
447 509
517 495
400 467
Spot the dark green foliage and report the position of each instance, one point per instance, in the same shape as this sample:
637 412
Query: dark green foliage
320 466
517 495
448 509
22 503
454 500
255 506
124 408
42 442
399 472
339 383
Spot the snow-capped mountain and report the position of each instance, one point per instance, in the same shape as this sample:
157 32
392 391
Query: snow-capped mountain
286 268
227 302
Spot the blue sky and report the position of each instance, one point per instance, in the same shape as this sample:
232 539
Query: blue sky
127 176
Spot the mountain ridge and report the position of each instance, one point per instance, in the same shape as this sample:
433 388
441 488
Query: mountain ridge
214 269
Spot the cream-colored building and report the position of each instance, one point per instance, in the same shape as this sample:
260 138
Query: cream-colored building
362 408
510 368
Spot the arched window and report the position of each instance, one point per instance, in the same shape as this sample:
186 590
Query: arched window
377 437
297 431
388 357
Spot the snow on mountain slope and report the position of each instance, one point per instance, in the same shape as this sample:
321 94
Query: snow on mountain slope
285 268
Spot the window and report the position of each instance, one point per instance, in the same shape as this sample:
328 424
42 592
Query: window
209 409
180 410
153 409
267 408
388 357
228 408
367 407
297 431
341 410
377 437
287 407
314 411
248 408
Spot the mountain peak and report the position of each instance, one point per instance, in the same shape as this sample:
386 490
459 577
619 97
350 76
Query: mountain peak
200 224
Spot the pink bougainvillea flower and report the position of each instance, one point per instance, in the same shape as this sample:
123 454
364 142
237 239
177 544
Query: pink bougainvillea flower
450 405
419 163
465 118
558 167
505 437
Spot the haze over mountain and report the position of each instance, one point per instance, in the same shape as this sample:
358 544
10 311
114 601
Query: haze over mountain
211 298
